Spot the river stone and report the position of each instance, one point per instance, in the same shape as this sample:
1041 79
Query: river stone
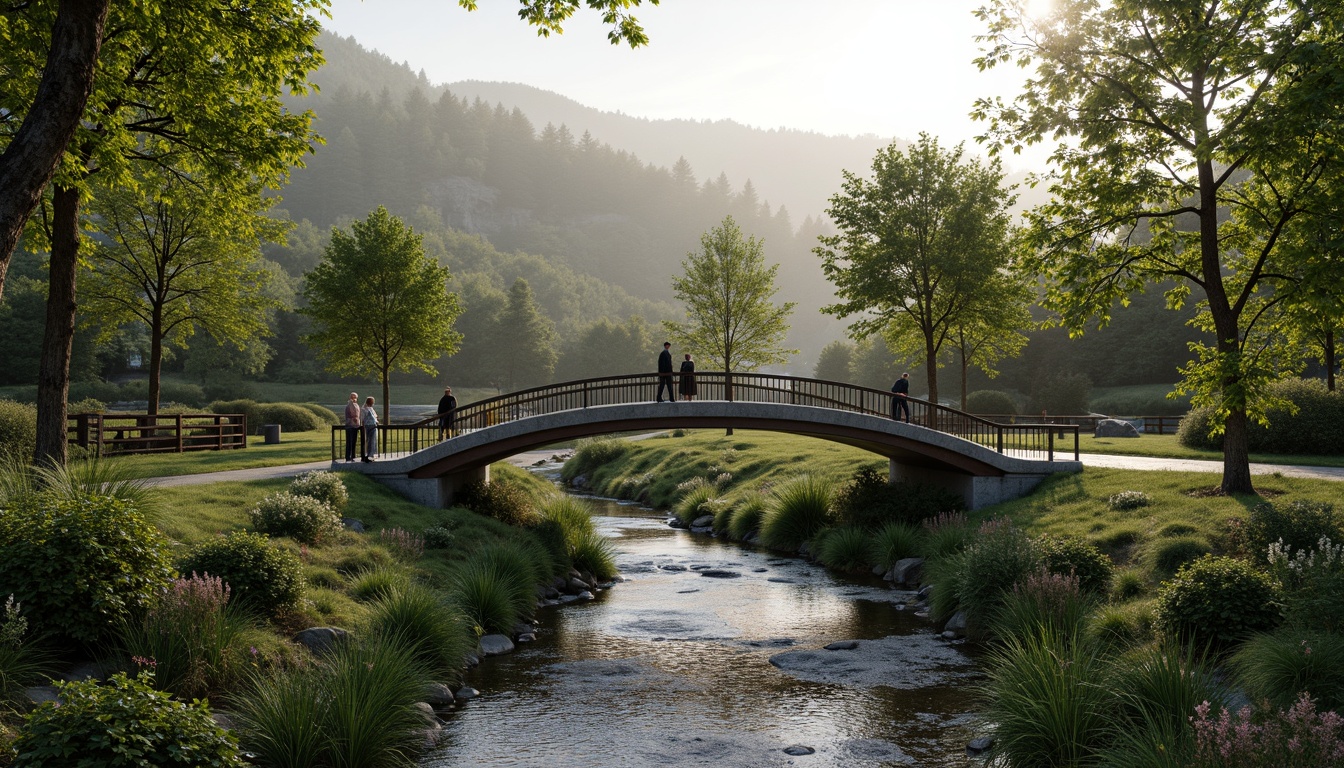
439 695
720 573
466 693
1115 428
352 524
906 663
579 481
496 645
978 746
878 570
567 599
843 645
222 719
676 523
576 586
585 595
673 567
427 715
781 580
925 593
320 639
760 570
798 750
956 624
906 571
703 521
527 637
41 694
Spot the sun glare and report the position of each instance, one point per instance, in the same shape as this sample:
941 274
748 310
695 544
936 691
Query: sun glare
1038 9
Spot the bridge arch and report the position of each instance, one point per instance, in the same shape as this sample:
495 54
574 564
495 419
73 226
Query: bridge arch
983 461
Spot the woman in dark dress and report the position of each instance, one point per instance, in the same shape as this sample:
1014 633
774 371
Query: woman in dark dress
688 391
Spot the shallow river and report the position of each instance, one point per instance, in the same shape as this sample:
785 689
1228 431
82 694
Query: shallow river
673 668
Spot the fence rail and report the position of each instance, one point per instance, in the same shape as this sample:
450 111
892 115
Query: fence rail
1149 425
1023 440
105 434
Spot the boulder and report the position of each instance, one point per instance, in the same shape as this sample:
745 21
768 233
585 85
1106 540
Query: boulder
843 645
439 695
428 717
320 639
466 693
576 586
1115 428
979 746
906 571
703 521
496 645
956 624
352 524
798 750
41 694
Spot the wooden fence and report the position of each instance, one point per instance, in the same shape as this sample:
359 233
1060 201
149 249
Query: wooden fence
1148 425
105 434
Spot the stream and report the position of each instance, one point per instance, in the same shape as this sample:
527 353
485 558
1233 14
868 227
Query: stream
673 667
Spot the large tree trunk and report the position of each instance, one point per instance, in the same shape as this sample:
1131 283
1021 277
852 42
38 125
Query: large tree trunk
53 376
31 159
155 362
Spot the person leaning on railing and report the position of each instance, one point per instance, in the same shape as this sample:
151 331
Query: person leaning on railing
447 413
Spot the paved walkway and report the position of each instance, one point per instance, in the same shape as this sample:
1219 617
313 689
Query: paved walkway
531 457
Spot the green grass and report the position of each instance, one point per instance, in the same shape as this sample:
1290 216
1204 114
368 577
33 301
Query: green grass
1167 447
294 448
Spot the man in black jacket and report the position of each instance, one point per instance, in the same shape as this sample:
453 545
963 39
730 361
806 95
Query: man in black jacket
665 374
901 390
447 412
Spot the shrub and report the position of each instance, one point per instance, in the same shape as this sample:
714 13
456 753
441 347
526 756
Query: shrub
290 417
263 578
1299 525
1278 667
18 431
438 537
1299 737
1312 429
1127 500
843 549
324 414
999 556
1066 556
80 565
1130 403
797 511
326 487
1167 556
193 636
893 542
1048 697
991 401
591 453
244 406
427 625
1041 603
746 516
503 501
946 534
868 501
1313 584
1217 601
123 723
1196 430
302 518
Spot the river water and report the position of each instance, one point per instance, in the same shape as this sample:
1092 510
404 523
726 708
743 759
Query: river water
672 667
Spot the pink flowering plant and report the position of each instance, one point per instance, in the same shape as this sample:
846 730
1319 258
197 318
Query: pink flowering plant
1298 737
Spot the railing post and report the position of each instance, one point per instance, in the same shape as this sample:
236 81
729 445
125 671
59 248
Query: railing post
1000 431
179 433
1051 442
585 394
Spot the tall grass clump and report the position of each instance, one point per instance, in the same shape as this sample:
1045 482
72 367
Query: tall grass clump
745 518
95 478
591 552
378 582
584 548
23 662
1041 602
1047 694
193 635
999 556
844 549
591 453
696 497
430 627
1157 689
946 534
1279 666
798 510
496 589
353 707
1123 625
894 542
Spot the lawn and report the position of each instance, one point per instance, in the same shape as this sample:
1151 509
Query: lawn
1168 447
293 448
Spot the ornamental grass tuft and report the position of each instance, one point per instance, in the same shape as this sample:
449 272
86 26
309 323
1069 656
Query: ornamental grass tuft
797 510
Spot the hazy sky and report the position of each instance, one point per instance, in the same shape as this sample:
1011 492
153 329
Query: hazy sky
887 67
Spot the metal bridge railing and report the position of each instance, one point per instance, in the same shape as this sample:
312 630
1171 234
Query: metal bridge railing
1035 441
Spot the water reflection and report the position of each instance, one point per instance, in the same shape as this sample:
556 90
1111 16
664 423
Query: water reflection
672 668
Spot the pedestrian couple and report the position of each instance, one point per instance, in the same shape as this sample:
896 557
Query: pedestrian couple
688 386
361 420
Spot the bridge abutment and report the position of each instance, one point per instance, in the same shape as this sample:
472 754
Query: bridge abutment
976 491
438 492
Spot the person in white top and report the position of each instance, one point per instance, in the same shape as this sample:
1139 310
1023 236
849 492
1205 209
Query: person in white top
368 418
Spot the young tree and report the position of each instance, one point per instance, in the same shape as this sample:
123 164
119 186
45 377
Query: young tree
833 362
917 242
44 109
182 258
993 327
378 304
727 291
606 348
1168 117
526 341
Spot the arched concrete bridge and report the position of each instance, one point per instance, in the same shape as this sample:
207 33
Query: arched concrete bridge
984 461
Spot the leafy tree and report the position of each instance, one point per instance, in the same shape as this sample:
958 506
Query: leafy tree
874 364
378 304
1188 135
917 243
44 112
607 348
727 291
993 326
180 256
526 341
834 361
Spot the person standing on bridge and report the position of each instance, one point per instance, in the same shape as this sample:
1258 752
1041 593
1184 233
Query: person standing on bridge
665 374
368 417
901 393
447 413
688 388
351 425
